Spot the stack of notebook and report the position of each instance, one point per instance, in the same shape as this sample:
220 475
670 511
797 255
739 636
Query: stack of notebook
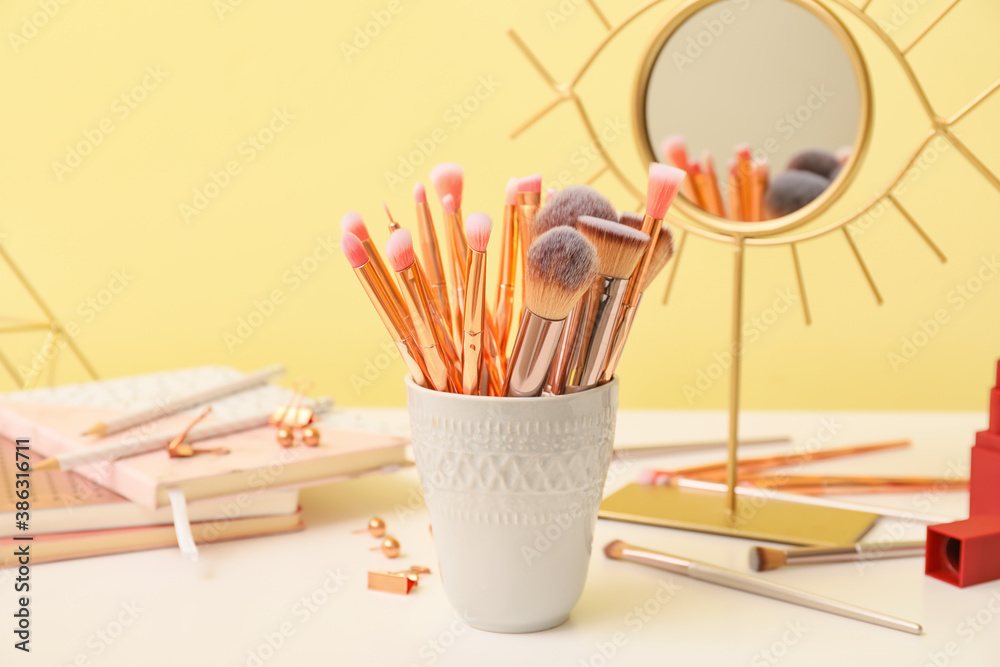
106 508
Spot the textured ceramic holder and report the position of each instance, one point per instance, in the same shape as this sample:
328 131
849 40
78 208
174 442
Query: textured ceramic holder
513 486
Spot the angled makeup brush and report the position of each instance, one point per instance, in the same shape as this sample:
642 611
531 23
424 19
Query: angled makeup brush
664 183
477 228
568 205
714 203
508 267
561 266
363 267
619 249
674 150
430 250
353 224
764 559
631 218
399 250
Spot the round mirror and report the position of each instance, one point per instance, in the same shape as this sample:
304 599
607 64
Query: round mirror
763 102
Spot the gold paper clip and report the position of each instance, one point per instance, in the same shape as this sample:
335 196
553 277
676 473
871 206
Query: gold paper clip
400 583
178 449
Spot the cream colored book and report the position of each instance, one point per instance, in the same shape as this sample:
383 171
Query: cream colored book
53 419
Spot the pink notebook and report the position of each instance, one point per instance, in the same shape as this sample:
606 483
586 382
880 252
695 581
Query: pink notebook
53 419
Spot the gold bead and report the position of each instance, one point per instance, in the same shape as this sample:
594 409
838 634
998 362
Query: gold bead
310 436
285 437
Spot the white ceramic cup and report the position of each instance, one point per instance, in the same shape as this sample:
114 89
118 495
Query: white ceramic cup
513 486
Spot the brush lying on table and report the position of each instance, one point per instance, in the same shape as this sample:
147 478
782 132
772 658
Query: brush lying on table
584 269
619 550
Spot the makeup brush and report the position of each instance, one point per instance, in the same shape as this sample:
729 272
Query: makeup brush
758 186
744 176
477 229
399 250
698 185
619 249
734 194
663 185
792 190
746 466
563 210
561 265
363 267
674 149
566 207
508 267
448 179
441 328
713 574
353 224
764 559
714 203
769 494
818 161
631 218
431 253
457 262
529 200
662 252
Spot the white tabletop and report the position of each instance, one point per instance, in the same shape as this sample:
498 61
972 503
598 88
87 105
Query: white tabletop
305 593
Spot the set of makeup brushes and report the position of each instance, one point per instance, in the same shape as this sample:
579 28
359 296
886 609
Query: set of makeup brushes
583 269
752 195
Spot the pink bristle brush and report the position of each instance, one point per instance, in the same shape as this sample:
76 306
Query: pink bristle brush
477 229
360 261
664 183
674 149
352 223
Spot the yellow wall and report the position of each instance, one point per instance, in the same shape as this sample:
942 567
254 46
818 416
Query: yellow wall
171 92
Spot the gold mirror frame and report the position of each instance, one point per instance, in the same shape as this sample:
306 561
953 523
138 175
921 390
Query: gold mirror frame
815 208
745 235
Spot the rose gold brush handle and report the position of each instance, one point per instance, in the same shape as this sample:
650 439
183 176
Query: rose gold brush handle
507 278
860 551
537 339
731 579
